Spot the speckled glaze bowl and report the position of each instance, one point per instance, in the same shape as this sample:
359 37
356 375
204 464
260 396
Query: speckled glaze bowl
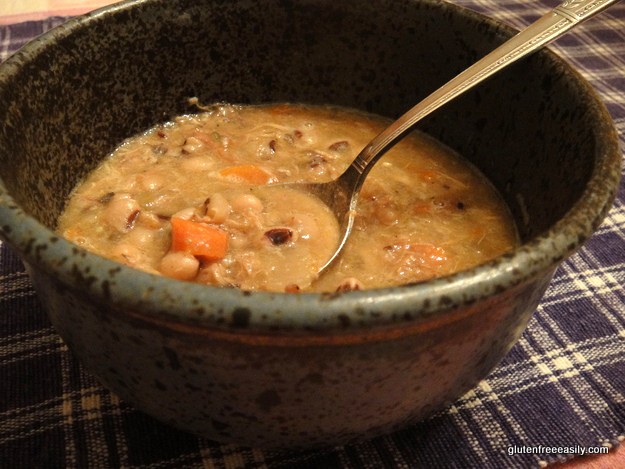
286 370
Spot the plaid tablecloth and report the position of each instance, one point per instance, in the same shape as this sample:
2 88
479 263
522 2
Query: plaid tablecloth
561 388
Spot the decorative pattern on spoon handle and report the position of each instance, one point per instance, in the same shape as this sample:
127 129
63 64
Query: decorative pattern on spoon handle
578 9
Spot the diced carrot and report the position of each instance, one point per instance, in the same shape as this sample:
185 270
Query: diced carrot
203 241
248 173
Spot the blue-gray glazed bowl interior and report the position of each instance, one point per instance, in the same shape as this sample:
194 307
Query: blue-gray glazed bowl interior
284 370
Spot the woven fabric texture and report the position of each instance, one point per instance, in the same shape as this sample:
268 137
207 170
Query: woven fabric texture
562 385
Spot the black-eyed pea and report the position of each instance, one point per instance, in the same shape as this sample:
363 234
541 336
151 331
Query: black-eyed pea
195 164
142 238
280 235
179 265
127 253
246 202
121 212
191 145
185 213
217 208
350 284
150 181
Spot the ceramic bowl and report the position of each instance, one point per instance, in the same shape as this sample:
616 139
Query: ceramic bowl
288 370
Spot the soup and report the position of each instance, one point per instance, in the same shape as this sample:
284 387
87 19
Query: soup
195 199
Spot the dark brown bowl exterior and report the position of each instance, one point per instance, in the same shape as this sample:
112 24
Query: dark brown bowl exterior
278 370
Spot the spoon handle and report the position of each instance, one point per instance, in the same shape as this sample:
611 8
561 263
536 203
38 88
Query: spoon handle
535 36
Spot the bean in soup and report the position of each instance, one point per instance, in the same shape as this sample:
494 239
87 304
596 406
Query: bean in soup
189 200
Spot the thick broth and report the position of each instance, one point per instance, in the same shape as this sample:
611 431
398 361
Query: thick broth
188 199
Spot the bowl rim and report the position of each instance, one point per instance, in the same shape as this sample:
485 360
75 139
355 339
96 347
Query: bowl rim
174 303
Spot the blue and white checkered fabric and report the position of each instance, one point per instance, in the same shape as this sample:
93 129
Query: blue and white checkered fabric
562 385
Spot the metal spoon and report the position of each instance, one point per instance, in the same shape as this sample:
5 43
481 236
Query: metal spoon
341 194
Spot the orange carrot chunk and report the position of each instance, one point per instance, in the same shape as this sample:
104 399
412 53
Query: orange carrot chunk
248 173
203 241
